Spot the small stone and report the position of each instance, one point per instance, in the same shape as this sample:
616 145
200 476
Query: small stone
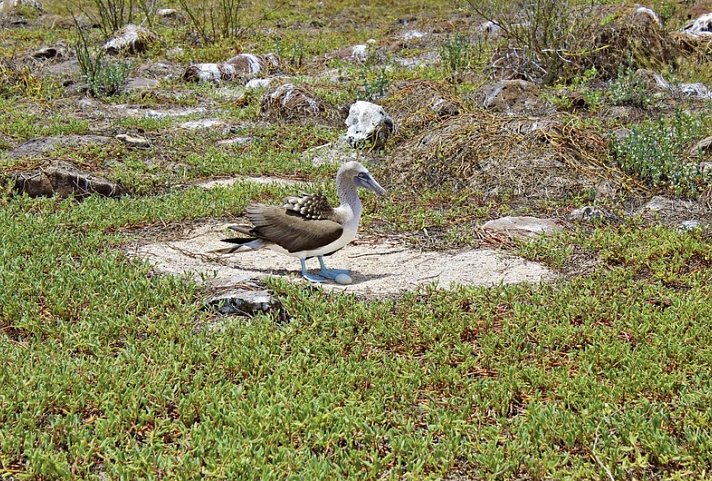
586 214
259 83
235 141
167 12
689 225
203 124
132 141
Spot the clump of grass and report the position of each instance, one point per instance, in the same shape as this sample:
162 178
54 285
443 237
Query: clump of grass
213 19
656 152
111 15
104 77
374 84
582 86
458 54
20 81
629 89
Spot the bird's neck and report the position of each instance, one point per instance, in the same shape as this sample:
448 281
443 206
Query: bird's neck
348 196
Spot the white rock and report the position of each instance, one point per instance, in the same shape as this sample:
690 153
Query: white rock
412 35
258 83
489 28
359 52
131 38
202 124
368 123
523 226
644 11
167 12
700 27
235 141
689 225
134 141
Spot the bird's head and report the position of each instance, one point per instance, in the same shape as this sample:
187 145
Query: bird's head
361 177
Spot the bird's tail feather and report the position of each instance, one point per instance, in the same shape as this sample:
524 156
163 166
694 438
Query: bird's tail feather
244 245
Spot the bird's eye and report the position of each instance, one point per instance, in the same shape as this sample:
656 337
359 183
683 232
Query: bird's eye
363 175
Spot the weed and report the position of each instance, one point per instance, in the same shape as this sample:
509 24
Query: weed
114 14
374 84
213 19
103 77
457 55
655 151
20 81
630 89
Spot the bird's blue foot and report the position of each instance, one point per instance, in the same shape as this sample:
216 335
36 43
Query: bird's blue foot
317 279
330 273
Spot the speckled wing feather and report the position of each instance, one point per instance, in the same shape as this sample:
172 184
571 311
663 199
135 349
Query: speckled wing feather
290 229
311 206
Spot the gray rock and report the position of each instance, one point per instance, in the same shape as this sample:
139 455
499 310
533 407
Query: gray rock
706 167
203 124
660 204
139 84
132 39
236 141
523 226
703 147
689 225
40 146
368 125
68 68
134 141
64 180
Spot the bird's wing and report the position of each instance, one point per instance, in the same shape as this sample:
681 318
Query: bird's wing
311 206
291 230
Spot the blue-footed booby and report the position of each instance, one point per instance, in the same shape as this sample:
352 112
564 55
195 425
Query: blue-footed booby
307 226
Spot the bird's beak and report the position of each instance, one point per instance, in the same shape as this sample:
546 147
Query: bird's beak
370 184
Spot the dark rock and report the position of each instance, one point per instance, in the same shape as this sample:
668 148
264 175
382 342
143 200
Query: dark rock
247 302
64 180
56 51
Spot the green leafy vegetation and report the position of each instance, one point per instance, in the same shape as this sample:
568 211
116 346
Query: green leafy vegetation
657 152
112 371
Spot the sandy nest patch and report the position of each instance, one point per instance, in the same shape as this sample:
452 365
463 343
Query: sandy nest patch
380 268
